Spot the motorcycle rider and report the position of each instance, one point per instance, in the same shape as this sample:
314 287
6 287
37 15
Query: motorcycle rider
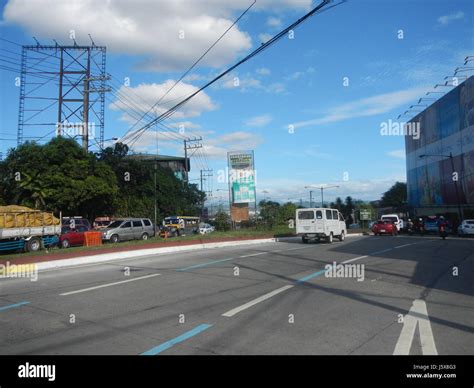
421 226
442 225
410 227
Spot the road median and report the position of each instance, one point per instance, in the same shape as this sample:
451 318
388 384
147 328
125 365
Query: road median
117 252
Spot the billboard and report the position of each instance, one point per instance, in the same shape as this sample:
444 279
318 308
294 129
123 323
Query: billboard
241 176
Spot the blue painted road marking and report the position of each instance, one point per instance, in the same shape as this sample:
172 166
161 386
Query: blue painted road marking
204 264
183 337
311 276
11 306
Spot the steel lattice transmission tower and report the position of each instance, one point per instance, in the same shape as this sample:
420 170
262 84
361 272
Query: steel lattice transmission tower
62 93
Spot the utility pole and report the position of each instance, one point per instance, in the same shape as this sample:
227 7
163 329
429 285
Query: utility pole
204 175
85 107
189 147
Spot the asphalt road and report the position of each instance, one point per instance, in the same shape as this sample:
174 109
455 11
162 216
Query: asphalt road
273 298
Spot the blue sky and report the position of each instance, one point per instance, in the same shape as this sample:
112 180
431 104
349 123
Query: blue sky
297 82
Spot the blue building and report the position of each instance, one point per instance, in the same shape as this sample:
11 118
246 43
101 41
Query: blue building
440 161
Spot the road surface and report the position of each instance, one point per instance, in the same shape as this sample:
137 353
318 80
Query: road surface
411 295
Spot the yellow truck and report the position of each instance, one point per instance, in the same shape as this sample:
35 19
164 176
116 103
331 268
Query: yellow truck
22 228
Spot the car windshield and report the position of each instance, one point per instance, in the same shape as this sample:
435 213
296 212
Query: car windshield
115 224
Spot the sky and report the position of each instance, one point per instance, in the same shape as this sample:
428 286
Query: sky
311 106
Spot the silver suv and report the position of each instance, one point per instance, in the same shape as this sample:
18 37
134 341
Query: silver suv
128 229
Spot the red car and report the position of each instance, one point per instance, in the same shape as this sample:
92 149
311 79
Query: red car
384 227
72 237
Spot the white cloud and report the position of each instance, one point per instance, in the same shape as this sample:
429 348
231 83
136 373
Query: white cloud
296 75
264 38
263 71
276 88
145 27
241 83
370 106
284 189
217 147
399 154
446 19
184 125
259 121
273 22
146 95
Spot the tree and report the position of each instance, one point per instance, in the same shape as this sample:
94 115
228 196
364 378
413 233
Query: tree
34 188
61 176
287 212
58 176
222 220
396 196
270 213
348 209
136 184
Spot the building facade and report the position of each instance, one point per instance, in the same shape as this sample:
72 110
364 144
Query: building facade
440 159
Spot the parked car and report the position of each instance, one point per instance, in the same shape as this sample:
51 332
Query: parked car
206 228
320 223
384 227
72 237
128 229
74 222
101 222
394 219
466 228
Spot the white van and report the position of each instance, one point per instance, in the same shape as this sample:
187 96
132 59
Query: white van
320 223
394 219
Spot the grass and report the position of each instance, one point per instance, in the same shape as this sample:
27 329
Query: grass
278 231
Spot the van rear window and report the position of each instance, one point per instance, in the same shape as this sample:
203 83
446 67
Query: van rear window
306 215
391 219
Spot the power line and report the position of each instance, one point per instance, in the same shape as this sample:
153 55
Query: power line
245 59
197 61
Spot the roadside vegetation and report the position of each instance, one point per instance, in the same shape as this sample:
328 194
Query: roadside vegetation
60 176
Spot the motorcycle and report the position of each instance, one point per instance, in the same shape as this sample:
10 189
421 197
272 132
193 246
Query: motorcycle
442 232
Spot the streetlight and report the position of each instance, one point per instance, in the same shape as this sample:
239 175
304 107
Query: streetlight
322 192
264 192
450 156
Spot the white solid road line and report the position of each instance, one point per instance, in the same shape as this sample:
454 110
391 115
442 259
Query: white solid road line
418 314
109 284
257 254
354 259
247 305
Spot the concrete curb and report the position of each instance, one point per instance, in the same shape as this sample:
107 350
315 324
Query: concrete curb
105 257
